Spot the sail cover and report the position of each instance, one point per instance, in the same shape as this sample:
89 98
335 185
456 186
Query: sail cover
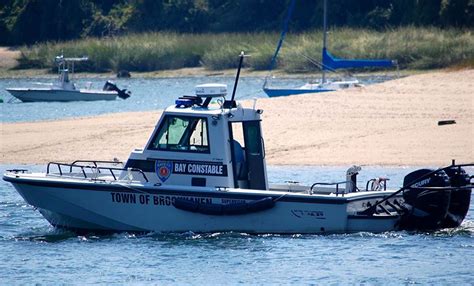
332 63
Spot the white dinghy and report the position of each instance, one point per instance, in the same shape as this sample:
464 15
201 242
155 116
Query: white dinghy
64 89
203 170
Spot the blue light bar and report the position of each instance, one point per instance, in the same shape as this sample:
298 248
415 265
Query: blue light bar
183 103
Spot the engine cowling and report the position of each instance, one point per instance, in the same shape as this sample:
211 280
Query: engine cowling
122 93
427 200
460 197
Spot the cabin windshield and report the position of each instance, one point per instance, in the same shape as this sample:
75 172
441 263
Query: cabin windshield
181 133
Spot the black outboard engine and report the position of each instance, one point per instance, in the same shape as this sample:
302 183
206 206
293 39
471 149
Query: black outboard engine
427 200
460 197
122 93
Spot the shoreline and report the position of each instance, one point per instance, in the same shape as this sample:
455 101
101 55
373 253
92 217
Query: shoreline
199 72
9 55
392 124
8 62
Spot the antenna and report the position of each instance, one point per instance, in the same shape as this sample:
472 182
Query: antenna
325 33
231 103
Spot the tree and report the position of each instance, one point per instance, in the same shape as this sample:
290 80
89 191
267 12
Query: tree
29 21
457 13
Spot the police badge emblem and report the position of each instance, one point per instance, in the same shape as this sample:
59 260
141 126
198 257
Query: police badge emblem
163 169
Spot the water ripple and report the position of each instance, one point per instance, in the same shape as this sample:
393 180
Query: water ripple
34 252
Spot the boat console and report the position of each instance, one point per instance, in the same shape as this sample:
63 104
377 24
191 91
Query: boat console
199 142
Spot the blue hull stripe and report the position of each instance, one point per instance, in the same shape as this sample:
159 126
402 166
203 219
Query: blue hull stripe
274 92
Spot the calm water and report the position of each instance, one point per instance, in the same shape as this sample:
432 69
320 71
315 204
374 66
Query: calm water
31 251
147 94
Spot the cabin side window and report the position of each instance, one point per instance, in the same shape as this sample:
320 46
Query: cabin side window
182 133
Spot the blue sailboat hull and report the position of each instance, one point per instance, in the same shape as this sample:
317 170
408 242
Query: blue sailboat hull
275 92
329 63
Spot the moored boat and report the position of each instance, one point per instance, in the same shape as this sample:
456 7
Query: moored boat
65 90
329 63
203 169
312 88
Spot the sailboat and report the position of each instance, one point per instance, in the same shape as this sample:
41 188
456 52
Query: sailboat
329 64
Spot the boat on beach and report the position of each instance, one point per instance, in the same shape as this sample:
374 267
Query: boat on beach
64 89
203 169
329 64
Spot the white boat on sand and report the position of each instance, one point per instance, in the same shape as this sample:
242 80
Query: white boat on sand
65 90
203 170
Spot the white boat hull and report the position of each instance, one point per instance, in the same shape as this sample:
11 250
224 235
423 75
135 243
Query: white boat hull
312 88
96 206
51 94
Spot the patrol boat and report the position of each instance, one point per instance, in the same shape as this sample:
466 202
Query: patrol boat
203 170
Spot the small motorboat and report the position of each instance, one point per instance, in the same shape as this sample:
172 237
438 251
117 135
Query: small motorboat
65 90
203 169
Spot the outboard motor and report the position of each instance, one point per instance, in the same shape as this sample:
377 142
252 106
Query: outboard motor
122 93
427 200
460 197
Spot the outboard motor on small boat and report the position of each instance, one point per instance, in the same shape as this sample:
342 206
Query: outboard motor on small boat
436 199
122 93
460 197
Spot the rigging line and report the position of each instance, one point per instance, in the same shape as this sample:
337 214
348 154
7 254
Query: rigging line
321 65
313 60
283 33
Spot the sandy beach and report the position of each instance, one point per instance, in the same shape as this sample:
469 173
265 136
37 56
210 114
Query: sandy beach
8 57
393 123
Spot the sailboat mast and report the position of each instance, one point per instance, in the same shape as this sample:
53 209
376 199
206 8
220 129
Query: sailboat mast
325 5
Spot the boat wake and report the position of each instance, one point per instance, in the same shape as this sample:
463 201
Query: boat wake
58 235
47 235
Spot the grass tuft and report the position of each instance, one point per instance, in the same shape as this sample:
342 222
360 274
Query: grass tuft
412 47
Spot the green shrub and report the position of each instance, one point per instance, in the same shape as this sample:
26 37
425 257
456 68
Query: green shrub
412 47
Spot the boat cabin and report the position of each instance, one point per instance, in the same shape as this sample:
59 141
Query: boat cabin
204 141
66 67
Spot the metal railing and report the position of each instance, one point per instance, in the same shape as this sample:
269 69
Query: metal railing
329 184
94 169
377 184
94 162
